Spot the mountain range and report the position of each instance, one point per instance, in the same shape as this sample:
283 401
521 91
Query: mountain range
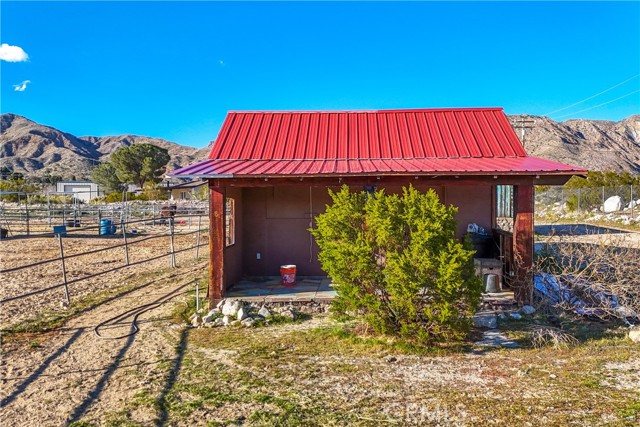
35 149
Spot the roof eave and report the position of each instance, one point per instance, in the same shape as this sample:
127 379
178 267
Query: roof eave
367 174
201 176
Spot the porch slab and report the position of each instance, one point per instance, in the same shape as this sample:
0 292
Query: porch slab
269 289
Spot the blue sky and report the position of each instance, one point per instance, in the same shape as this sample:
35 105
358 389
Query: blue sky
172 70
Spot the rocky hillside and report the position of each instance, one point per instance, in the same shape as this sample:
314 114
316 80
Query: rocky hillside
34 149
593 144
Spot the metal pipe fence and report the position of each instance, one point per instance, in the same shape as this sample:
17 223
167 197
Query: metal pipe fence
125 243
38 219
618 200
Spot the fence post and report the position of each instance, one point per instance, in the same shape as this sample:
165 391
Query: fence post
197 296
579 196
173 254
64 270
49 208
99 220
26 211
198 237
126 247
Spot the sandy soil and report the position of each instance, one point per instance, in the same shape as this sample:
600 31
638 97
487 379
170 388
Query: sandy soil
25 251
72 373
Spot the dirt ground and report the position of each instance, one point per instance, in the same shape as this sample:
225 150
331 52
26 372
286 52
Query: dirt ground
23 251
305 374
296 375
56 378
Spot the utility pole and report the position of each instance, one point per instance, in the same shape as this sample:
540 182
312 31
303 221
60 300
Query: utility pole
523 123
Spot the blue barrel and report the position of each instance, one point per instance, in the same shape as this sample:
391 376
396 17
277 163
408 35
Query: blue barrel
105 227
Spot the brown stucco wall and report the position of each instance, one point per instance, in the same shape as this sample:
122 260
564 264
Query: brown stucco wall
233 266
475 205
276 221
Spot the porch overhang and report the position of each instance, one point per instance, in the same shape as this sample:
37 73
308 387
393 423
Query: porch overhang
540 169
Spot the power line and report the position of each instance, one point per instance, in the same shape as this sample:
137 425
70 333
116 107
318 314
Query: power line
592 96
599 105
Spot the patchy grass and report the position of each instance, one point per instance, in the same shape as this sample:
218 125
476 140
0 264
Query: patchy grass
321 372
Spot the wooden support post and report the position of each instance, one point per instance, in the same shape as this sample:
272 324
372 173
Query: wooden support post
523 243
216 244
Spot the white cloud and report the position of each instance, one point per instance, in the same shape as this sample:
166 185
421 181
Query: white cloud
12 53
221 62
22 86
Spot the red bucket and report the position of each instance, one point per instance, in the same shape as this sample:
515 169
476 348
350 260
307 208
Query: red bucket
288 275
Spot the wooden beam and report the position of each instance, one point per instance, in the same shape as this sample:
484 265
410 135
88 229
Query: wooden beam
383 181
523 243
216 243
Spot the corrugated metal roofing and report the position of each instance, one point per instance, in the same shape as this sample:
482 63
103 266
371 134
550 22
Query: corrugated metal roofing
211 168
298 143
442 133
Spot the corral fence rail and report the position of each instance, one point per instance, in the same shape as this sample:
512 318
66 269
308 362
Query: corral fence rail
170 222
26 218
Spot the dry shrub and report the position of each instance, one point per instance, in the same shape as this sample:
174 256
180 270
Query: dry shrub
597 279
542 336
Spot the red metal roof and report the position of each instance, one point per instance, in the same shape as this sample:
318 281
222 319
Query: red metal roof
210 168
300 143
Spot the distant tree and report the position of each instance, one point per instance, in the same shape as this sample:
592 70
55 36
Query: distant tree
597 179
105 175
5 172
16 176
140 163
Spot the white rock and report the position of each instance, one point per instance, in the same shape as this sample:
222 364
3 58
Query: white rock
528 310
220 304
218 321
289 314
242 313
214 311
634 334
264 312
248 322
485 319
230 308
208 318
613 204
226 320
516 316
196 321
